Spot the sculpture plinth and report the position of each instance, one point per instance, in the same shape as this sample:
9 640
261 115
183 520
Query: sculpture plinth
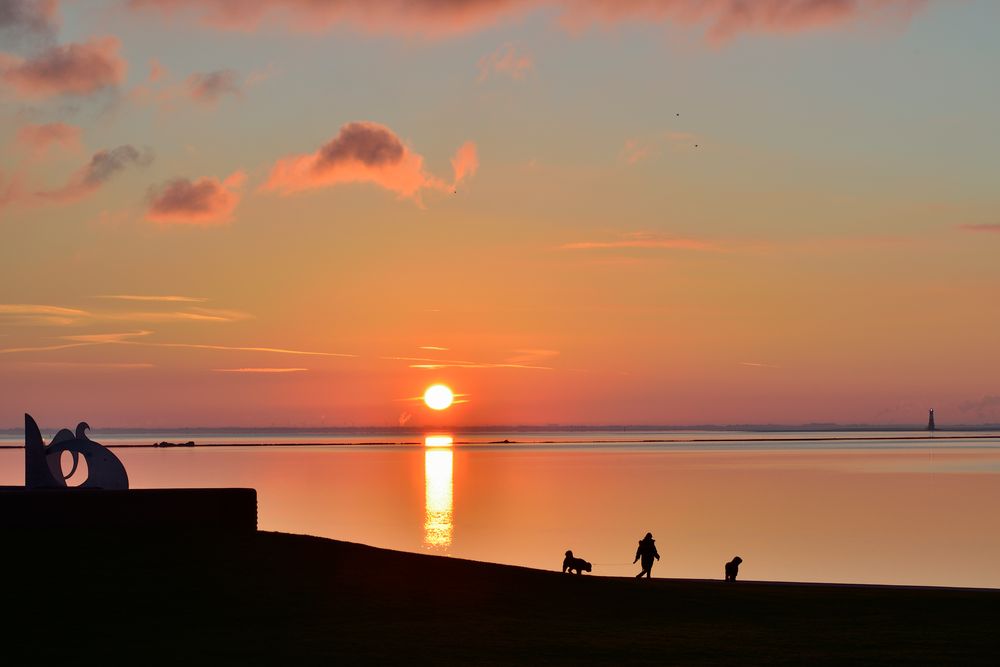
103 501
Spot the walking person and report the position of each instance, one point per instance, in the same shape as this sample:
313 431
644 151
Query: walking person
647 552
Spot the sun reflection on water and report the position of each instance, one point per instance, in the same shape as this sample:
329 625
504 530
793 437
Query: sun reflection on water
438 491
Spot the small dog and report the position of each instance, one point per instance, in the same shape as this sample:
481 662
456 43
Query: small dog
733 568
571 563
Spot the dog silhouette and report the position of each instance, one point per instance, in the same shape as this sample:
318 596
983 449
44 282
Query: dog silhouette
733 568
571 563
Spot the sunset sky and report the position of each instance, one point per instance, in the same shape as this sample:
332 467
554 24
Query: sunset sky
305 212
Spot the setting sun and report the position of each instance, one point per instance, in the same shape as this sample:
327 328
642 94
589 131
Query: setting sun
438 397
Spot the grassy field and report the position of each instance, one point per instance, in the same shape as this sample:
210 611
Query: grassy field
273 598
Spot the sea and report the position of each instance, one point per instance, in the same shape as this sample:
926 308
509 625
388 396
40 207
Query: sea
817 505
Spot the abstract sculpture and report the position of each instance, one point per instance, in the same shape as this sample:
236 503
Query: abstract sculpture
43 465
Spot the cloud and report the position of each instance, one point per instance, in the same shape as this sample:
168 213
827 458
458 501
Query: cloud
191 315
38 138
101 168
73 69
636 150
465 163
994 228
93 365
98 339
260 370
643 240
29 313
25 21
167 298
231 348
721 19
209 87
506 61
204 201
436 364
365 152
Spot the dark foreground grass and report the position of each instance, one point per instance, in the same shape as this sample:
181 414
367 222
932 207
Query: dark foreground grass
283 599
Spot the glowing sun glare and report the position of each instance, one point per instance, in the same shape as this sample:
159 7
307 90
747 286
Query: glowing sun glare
438 397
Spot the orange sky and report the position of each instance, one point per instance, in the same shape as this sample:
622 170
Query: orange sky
589 213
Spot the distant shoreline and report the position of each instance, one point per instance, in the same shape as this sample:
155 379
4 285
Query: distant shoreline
507 442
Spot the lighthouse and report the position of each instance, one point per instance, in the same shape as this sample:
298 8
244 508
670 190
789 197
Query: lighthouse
930 420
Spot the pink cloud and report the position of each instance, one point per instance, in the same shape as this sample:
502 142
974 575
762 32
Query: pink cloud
204 201
465 162
73 69
721 18
38 138
365 152
634 151
505 60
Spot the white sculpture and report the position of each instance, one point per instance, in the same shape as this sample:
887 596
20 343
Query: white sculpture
43 465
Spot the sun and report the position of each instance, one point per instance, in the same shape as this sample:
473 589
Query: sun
439 397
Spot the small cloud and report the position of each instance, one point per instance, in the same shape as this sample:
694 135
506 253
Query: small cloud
637 150
433 348
210 87
633 151
191 315
86 365
73 69
994 228
757 364
643 240
168 298
365 152
106 338
507 62
39 138
205 201
27 313
260 370
465 162
101 168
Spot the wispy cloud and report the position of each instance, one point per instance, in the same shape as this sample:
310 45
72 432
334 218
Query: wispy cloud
165 298
104 338
260 370
757 364
88 365
103 166
236 348
506 61
435 364
643 240
25 313
433 348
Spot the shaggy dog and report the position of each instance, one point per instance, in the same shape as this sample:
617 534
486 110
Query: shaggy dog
733 568
570 563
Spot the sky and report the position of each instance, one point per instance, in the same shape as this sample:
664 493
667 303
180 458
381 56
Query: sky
671 212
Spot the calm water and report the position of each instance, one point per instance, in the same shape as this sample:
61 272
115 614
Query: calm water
860 509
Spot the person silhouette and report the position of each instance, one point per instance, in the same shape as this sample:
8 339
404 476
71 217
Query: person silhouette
647 552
